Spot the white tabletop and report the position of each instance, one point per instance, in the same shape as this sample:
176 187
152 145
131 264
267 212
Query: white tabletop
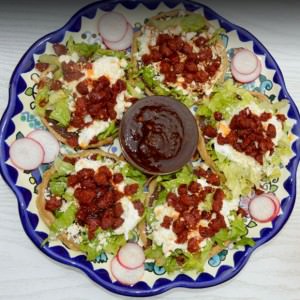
273 271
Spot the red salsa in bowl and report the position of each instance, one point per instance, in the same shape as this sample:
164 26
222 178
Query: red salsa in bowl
158 135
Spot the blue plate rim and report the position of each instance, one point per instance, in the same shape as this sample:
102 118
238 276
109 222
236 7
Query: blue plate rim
241 256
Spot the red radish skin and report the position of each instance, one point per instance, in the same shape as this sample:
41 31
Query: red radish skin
263 209
124 275
131 256
112 26
26 154
48 142
275 200
245 78
245 61
123 44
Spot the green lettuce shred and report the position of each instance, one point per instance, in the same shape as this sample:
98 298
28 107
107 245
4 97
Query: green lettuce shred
236 233
58 185
190 23
158 88
114 242
195 262
133 175
64 220
63 168
82 49
61 113
110 131
41 96
184 176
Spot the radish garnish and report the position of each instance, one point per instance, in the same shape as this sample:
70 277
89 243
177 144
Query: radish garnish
244 78
112 26
48 142
131 256
124 275
245 61
275 200
262 208
26 154
124 43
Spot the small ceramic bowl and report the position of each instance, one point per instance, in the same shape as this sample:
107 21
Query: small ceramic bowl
158 135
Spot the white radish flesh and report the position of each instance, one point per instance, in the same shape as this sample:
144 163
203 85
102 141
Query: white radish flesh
131 256
26 154
245 61
48 142
262 209
112 26
124 275
245 78
124 43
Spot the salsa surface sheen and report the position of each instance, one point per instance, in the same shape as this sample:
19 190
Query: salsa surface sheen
158 135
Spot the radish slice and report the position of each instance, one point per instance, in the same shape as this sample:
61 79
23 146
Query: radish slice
131 256
244 78
112 26
124 275
245 61
48 142
26 154
124 43
263 209
275 200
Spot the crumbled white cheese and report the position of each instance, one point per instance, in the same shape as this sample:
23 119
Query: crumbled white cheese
87 119
88 133
277 124
130 216
161 211
111 67
120 106
73 233
102 238
227 207
240 158
85 163
67 58
167 239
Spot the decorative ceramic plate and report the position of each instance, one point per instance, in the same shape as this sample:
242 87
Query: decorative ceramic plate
19 120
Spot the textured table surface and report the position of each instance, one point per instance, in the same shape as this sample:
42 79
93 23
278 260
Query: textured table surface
273 271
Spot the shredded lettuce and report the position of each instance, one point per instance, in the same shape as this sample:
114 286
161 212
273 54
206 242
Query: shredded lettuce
61 112
49 59
133 175
90 249
114 242
189 23
194 262
184 176
107 52
82 49
216 36
58 185
109 131
93 248
132 91
42 96
235 233
192 23
198 260
158 88
63 168
64 220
